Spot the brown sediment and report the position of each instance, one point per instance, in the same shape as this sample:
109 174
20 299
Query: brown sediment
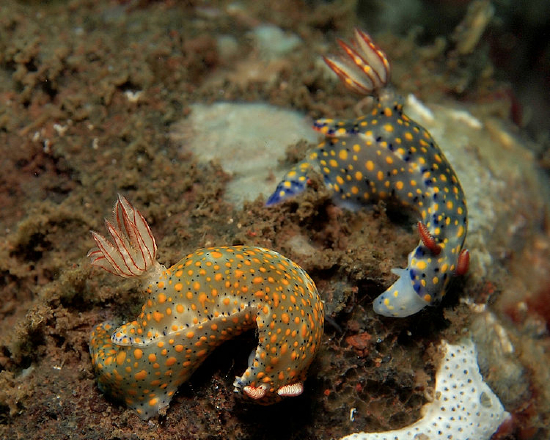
88 91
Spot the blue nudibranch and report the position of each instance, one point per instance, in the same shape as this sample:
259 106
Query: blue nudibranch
386 155
209 296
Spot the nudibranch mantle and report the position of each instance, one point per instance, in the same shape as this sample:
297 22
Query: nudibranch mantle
209 296
386 155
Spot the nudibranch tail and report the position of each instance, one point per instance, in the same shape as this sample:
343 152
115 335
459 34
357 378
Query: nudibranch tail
209 296
134 250
294 182
385 155
366 68
400 300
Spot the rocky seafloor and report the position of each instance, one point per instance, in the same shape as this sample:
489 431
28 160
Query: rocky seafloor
193 110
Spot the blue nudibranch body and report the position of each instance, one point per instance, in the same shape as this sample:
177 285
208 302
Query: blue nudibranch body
386 155
206 298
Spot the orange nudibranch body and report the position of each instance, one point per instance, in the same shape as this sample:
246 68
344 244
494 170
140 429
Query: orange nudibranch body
209 296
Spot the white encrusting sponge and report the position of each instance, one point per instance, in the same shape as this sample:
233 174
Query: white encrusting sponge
464 407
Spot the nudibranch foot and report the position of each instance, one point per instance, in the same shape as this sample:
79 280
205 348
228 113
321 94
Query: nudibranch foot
384 155
122 373
208 297
400 300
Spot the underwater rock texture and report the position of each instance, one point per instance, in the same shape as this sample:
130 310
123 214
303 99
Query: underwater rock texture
463 406
247 140
89 95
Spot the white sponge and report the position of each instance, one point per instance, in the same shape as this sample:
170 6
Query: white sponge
464 407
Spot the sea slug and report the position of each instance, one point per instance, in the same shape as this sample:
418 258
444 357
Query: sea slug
209 296
386 155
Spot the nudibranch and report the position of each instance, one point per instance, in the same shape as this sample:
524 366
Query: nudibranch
206 298
386 155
